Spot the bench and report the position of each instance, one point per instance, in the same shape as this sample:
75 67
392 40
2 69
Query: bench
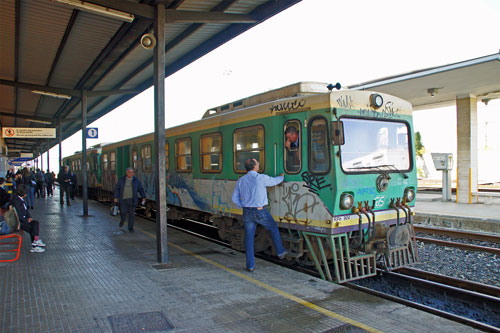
14 239
489 195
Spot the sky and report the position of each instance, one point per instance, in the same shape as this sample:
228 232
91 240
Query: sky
328 41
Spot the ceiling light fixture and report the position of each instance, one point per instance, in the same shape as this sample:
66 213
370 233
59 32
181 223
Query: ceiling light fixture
100 10
39 121
51 94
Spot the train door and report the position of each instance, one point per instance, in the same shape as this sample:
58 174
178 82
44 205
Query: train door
123 160
290 147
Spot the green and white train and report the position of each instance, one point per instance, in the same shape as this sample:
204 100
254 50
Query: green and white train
347 201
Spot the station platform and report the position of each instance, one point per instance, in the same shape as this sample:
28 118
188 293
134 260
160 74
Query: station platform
431 210
95 277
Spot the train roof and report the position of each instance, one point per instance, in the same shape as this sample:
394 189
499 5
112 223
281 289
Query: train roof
292 90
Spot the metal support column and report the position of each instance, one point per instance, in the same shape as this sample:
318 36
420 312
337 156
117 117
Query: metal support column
59 134
48 163
84 154
159 138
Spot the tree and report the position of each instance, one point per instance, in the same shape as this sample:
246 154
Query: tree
419 146
422 170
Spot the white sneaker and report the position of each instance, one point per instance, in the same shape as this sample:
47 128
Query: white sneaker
39 243
37 249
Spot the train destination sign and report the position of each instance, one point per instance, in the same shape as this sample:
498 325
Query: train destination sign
28 132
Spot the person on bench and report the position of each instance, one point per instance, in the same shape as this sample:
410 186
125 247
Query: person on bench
27 223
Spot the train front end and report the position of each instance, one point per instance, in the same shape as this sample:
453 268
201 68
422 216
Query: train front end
373 186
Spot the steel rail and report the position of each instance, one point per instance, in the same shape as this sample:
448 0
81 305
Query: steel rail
463 246
458 234
451 281
444 314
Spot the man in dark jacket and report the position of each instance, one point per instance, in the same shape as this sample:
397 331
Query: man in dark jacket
73 185
63 179
126 194
50 183
4 195
27 223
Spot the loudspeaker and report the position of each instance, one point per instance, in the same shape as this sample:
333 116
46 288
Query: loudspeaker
148 41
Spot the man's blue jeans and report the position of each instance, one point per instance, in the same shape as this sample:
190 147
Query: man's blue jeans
252 216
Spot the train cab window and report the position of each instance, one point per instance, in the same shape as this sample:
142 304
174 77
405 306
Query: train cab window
166 156
372 144
146 157
248 143
112 161
183 155
134 159
319 157
211 152
105 162
293 148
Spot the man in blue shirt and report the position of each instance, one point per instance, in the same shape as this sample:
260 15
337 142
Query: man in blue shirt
250 194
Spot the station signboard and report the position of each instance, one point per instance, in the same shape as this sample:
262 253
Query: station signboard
28 132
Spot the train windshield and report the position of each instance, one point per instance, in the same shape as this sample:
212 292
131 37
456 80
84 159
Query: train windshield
373 145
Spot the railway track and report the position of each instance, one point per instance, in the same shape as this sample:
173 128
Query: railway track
460 235
462 301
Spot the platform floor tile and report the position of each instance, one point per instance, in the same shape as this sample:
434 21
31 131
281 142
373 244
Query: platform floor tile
95 277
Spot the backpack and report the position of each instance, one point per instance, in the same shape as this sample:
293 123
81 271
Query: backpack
38 177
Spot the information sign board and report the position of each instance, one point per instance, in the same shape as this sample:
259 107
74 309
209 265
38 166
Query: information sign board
28 132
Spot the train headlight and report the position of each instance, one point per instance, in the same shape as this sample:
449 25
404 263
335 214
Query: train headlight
409 194
383 182
346 201
376 101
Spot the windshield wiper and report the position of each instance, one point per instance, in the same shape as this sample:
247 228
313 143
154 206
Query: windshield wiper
379 167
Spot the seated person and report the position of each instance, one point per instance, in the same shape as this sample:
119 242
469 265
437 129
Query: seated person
292 149
27 223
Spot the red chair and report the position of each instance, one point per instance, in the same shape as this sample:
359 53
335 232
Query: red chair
17 241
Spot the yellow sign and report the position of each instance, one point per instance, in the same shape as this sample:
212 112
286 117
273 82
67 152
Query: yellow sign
28 132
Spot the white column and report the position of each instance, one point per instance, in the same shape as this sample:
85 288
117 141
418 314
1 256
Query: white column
466 147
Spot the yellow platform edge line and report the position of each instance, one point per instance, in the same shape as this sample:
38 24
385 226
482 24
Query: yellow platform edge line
291 297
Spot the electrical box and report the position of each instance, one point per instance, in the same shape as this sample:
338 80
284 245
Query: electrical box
442 161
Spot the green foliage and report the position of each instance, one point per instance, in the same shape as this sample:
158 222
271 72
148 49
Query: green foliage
419 146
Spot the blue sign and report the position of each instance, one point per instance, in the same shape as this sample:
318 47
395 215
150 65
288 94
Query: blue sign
92 133
18 161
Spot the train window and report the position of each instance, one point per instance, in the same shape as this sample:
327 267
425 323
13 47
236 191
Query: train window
248 143
293 147
134 159
94 164
146 157
112 161
73 165
166 155
211 152
183 155
319 157
105 162
373 144
79 165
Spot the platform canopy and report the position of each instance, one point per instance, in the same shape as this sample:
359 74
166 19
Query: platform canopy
440 86
51 50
